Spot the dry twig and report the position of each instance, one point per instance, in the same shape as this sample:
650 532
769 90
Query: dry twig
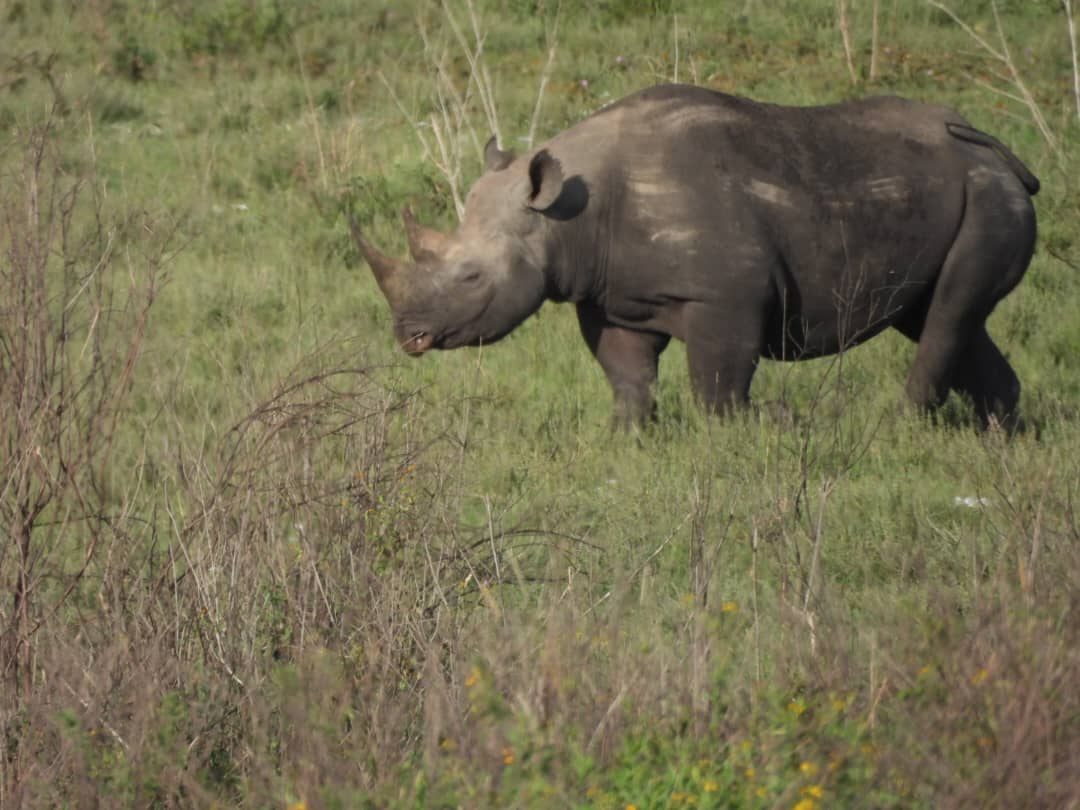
1002 54
845 36
451 130
545 75
1072 48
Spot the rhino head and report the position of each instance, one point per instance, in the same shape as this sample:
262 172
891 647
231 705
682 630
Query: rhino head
475 285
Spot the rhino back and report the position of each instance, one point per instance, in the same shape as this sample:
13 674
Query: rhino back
707 196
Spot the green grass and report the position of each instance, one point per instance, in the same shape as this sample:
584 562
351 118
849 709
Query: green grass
330 575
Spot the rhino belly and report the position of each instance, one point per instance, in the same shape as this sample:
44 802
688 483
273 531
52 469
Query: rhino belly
794 334
859 258
848 297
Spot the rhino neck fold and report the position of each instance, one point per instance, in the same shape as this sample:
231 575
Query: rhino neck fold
578 264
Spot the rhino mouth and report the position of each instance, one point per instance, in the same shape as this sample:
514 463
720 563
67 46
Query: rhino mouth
418 343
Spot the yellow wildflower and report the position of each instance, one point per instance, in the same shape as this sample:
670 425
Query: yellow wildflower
631 807
980 676
808 768
730 607
710 786
805 804
761 793
474 678
813 791
298 806
796 707
749 773
508 756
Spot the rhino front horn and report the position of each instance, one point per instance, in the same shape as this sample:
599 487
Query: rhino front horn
386 270
425 244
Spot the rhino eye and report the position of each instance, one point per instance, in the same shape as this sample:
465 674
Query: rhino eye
471 276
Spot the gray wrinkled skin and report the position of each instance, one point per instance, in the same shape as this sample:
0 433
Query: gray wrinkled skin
746 230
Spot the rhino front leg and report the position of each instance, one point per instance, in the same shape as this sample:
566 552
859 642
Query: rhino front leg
723 346
629 358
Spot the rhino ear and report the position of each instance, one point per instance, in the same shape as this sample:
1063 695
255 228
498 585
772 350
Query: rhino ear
495 159
546 178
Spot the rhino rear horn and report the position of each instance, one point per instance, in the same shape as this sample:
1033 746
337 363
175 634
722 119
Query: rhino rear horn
387 271
425 244
495 159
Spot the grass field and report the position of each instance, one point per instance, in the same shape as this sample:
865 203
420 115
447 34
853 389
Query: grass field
252 555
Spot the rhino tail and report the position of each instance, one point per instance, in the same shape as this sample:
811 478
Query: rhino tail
972 135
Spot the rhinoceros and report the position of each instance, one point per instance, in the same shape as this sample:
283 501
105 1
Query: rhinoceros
744 229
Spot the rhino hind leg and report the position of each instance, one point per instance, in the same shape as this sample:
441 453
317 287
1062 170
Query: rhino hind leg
982 373
985 375
629 358
987 260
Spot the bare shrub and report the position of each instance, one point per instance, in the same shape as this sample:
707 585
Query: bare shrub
1010 77
268 613
75 296
990 717
1071 26
451 132
296 536
843 22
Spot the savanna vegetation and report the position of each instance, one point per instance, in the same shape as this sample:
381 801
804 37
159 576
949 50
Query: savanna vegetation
251 555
